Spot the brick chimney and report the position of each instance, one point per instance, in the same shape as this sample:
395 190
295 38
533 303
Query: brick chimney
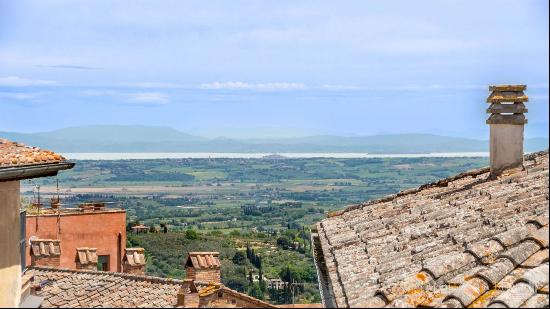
188 295
507 121
86 258
134 261
45 252
203 266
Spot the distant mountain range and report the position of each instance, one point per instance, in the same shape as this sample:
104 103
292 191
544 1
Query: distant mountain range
163 139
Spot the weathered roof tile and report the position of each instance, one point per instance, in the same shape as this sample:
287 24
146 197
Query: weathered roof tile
16 154
467 235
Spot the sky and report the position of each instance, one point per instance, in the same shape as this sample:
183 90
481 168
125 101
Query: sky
287 68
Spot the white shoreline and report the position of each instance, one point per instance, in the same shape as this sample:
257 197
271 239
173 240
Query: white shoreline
235 155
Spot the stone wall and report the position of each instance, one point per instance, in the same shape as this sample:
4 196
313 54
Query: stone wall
52 261
89 266
10 256
205 275
134 270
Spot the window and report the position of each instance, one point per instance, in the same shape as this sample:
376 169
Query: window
103 263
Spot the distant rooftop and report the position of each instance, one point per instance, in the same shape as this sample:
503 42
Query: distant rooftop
82 208
85 288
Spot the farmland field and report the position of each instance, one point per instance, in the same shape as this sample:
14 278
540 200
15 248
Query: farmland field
241 205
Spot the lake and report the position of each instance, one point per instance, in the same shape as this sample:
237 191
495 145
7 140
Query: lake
206 155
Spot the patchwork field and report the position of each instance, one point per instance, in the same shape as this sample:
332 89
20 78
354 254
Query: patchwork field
235 205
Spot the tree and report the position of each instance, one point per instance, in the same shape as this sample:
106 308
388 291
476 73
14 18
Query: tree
261 278
283 242
256 292
248 251
191 234
239 258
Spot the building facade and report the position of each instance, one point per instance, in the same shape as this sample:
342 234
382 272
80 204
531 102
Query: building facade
103 230
18 162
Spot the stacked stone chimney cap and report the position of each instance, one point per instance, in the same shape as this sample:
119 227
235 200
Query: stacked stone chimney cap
507 87
507 104
507 94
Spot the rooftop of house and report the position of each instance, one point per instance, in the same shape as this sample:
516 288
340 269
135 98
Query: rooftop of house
141 226
18 161
45 211
468 240
84 288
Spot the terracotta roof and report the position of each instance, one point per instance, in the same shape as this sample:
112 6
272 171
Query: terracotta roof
15 154
45 247
81 288
135 256
203 260
87 255
463 241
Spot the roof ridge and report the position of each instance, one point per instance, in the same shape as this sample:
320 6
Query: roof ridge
223 287
115 274
438 183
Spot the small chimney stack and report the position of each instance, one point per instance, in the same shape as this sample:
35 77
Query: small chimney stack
45 252
506 121
86 258
203 266
188 295
134 261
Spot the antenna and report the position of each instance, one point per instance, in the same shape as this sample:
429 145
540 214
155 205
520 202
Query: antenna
37 187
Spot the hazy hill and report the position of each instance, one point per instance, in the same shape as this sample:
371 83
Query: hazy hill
164 139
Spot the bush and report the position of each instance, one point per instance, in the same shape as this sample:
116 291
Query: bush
239 258
191 234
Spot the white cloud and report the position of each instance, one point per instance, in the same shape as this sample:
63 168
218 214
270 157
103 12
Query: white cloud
152 85
340 87
253 86
150 97
134 97
15 81
16 95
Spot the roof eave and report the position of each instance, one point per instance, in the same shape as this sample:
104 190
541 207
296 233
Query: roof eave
325 288
33 171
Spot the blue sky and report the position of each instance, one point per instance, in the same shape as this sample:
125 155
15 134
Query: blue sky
251 67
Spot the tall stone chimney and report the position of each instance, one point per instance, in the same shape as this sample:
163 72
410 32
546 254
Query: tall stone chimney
203 266
507 121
